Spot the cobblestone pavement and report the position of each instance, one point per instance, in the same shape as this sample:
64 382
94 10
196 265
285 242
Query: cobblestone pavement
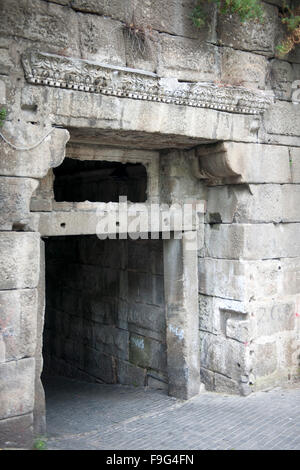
113 417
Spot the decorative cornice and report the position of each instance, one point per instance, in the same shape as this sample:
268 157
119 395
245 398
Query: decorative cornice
77 74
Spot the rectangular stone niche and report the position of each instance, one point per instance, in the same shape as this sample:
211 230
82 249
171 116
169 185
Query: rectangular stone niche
99 181
105 315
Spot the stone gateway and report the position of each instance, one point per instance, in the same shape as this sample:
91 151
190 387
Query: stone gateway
176 116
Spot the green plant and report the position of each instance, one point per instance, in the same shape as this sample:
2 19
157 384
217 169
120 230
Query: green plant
3 114
39 444
291 19
247 10
252 10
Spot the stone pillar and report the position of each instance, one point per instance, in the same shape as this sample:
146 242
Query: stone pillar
20 353
181 296
19 269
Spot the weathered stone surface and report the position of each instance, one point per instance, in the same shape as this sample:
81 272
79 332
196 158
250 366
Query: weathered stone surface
43 22
225 356
19 260
243 68
14 210
260 163
265 358
147 317
17 387
282 77
274 278
253 204
274 317
213 312
18 312
42 199
145 352
174 20
224 384
251 36
187 59
181 280
214 275
283 118
252 241
240 330
130 374
101 40
295 164
16 432
30 163
122 11
110 340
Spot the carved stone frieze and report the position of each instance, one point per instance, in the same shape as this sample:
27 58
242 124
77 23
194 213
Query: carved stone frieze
77 74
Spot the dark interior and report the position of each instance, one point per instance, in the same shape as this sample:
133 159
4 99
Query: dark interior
99 181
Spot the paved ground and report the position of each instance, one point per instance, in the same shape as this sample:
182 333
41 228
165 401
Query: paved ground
112 417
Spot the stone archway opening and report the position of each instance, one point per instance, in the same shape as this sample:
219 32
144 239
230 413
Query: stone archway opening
105 311
121 310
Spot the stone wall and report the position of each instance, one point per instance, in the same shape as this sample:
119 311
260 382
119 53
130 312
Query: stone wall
105 314
249 278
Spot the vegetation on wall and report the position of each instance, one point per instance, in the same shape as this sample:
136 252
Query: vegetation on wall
252 10
2 116
291 19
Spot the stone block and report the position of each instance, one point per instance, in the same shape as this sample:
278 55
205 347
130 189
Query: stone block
282 118
265 358
18 323
253 204
30 163
274 278
130 374
99 365
224 384
17 432
44 22
43 198
187 59
140 287
213 312
157 380
15 194
224 356
253 36
282 77
174 20
148 317
274 317
252 241
145 352
223 278
295 164
119 10
19 260
17 387
243 68
240 330
259 163
208 379
110 340
101 40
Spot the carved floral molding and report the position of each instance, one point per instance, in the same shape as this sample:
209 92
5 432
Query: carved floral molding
77 74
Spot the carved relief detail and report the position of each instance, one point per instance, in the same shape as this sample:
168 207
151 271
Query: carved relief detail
77 74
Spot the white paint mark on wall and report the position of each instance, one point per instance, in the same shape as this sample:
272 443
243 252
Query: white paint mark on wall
138 342
177 331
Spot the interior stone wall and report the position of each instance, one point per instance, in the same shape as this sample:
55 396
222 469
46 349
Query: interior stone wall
105 313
